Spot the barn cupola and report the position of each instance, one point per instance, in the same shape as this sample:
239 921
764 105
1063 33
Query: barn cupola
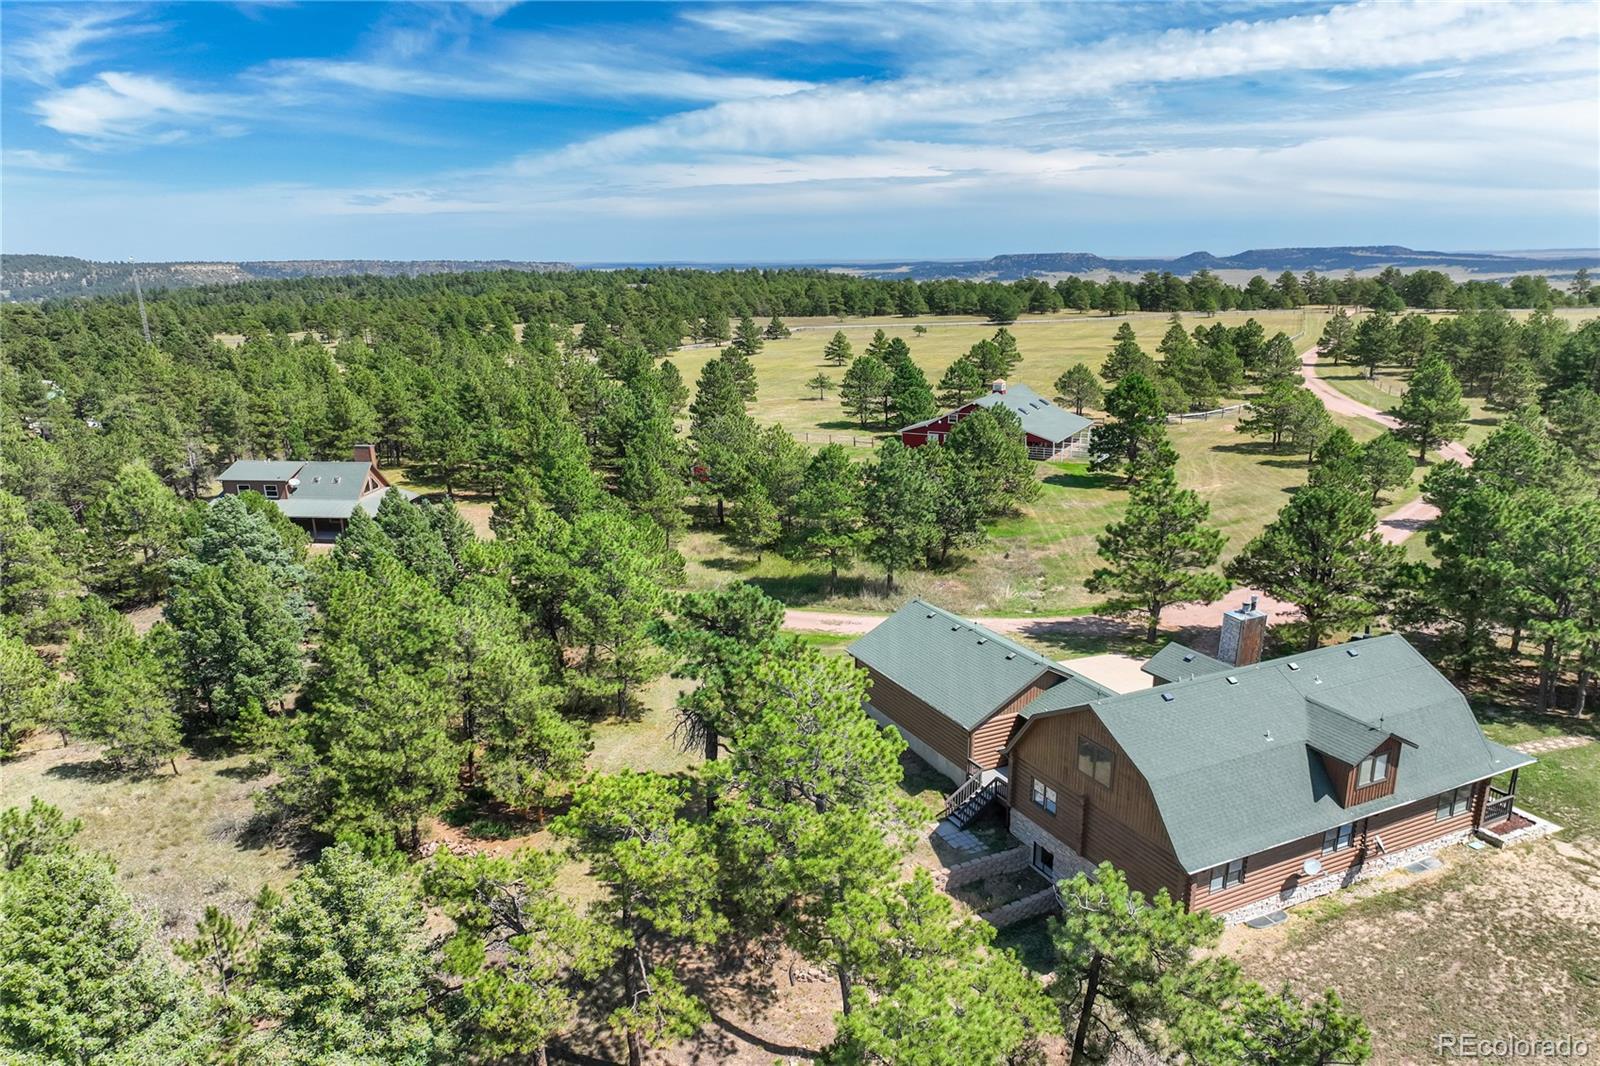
997 385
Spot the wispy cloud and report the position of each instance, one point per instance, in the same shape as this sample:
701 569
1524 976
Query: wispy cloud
46 43
118 106
32 159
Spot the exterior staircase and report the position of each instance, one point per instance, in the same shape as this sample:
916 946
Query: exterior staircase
972 798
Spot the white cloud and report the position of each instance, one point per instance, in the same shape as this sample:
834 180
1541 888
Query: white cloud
120 106
32 159
56 41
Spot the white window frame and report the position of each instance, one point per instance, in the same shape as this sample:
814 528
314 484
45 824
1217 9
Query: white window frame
1044 797
1339 838
270 491
1367 773
1227 875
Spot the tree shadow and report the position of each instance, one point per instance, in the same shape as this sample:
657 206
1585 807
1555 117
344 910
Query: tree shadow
800 590
1084 480
96 771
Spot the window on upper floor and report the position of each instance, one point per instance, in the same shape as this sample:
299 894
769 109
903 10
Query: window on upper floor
1044 796
1094 761
1454 803
269 491
1338 838
1373 770
1227 876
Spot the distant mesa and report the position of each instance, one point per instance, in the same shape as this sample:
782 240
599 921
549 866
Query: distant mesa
44 277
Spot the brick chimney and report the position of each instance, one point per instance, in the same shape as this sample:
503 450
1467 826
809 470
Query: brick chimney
364 453
998 385
1244 632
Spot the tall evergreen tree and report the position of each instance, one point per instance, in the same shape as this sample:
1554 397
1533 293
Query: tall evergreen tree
1135 429
899 499
1077 388
1322 554
1431 412
829 513
1161 552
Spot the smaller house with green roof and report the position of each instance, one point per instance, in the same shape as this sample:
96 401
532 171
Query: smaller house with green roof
318 496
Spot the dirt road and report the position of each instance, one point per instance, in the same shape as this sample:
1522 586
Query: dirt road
1394 527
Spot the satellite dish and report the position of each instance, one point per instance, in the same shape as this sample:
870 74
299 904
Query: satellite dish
1311 867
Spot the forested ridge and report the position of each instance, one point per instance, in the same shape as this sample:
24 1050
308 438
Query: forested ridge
416 667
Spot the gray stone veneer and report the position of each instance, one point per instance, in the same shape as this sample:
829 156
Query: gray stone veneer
1382 864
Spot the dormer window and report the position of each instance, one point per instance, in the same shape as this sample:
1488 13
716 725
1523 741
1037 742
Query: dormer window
1374 770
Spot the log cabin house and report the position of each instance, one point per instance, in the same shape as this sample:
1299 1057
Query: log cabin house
317 496
1237 788
1050 431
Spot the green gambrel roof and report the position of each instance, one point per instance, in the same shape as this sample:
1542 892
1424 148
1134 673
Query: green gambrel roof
959 668
1344 736
1230 756
1178 663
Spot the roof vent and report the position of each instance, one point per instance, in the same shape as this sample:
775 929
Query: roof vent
1317 680
1167 697
1189 658
930 614
954 629
1352 652
1011 655
316 479
1232 680
337 478
1267 736
1294 666
983 640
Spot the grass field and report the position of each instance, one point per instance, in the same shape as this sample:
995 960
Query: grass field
1049 345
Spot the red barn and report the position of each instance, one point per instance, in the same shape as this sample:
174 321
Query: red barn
1051 431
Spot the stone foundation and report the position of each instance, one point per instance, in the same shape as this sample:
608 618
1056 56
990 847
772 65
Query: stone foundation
1321 886
1001 862
1068 862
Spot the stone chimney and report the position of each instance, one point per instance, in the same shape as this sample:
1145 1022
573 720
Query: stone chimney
364 453
1244 632
998 385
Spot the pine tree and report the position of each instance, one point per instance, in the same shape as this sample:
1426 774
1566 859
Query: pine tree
1373 343
82 975
1309 422
344 971
1335 338
659 877
1322 554
521 950
989 444
121 694
239 642
1135 428
1279 362
755 525
614 596
899 507
32 692
1121 956
909 395
747 338
866 387
822 383
1126 357
1160 553
838 350
961 382
776 330
1431 412
1077 388
829 513
35 592
134 530
1272 414
932 990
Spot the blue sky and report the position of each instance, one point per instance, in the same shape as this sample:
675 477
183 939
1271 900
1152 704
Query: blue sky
792 132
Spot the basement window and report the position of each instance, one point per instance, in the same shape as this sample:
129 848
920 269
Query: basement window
1338 838
1094 761
1227 876
1374 769
1044 797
